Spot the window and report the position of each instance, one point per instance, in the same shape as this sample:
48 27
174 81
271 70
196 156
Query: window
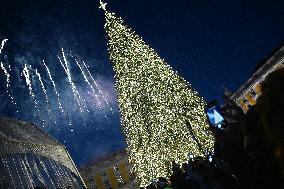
257 89
243 103
252 92
244 100
250 98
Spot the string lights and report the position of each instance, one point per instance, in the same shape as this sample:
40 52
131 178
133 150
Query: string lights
162 117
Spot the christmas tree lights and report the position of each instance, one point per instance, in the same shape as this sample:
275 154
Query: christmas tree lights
162 117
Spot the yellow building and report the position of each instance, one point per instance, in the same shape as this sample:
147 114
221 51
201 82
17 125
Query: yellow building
111 172
248 93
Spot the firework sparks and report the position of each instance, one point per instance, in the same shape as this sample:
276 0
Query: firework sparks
73 86
54 87
86 79
8 84
26 73
2 44
100 91
43 88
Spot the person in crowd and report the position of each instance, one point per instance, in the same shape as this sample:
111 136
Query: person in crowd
248 153
255 163
269 106
177 176
162 182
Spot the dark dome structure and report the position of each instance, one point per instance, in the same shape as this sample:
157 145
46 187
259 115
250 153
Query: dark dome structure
30 158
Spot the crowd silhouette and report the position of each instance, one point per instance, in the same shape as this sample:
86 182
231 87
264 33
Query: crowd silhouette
248 153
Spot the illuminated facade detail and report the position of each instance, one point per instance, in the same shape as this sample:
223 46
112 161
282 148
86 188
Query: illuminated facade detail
250 98
110 172
257 89
242 104
162 117
248 93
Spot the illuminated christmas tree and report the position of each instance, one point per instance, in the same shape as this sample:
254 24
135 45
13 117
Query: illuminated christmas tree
162 117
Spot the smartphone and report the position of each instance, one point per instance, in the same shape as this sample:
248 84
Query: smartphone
210 159
214 115
190 156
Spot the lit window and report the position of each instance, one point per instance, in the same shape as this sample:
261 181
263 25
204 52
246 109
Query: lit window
253 93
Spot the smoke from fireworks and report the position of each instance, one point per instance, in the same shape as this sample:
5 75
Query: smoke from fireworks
65 65
86 79
39 80
100 91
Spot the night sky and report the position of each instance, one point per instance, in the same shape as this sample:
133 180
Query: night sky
211 44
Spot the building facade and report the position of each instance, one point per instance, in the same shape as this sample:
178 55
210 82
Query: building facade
30 158
111 172
247 94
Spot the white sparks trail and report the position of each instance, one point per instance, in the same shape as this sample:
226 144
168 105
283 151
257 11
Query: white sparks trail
29 84
45 93
100 91
57 93
86 79
43 89
7 75
74 89
54 86
8 85
2 44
